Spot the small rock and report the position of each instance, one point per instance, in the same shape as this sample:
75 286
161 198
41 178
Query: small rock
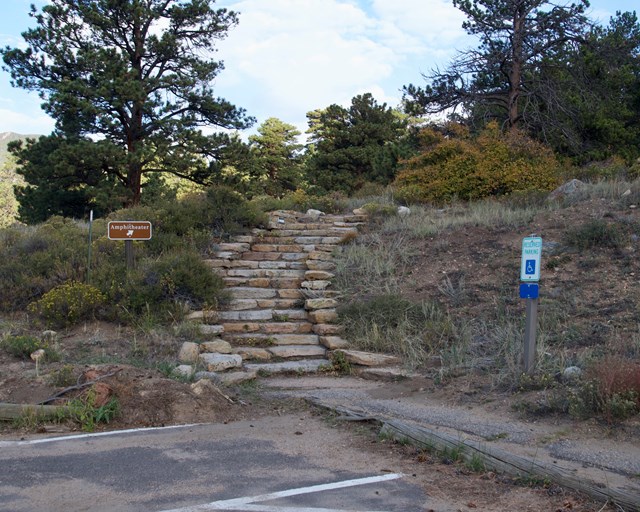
202 387
49 335
571 374
403 211
626 192
360 211
314 214
189 352
183 370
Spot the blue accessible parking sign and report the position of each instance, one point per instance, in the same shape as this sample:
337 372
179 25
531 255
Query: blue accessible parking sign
531 254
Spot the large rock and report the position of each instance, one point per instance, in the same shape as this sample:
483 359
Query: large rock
216 346
567 189
323 316
220 362
189 352
368 358
320 303
334 342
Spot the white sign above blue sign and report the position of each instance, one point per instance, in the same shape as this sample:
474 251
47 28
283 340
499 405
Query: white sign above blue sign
531 256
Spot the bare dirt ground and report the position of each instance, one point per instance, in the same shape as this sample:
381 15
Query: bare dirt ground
593 295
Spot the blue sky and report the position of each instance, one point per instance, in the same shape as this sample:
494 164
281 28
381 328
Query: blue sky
288 57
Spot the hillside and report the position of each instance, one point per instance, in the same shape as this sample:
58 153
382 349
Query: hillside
440 288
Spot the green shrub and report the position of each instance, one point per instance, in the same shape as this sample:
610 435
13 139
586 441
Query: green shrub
22 346
34 259
160 284
68 303
300 200
468 168
394 325
595 234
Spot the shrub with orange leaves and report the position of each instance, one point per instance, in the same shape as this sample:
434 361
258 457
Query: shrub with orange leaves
455 164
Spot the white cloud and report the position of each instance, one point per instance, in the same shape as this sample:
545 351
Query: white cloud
23 123
287 57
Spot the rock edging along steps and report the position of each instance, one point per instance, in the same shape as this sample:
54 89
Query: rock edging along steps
282 312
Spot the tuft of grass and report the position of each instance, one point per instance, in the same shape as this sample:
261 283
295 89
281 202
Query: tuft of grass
595 234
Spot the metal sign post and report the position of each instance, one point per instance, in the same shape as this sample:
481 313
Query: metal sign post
529 290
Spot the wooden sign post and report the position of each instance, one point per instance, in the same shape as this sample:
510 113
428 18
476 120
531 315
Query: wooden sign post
129 230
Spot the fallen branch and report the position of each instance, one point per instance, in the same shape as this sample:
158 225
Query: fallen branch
77 386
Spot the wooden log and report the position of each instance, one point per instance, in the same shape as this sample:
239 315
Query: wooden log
500 460
10 412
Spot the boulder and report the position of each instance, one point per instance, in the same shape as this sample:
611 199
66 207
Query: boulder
220 362
189 352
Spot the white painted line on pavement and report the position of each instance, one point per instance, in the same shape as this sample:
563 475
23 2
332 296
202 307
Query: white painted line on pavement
94 434
248 502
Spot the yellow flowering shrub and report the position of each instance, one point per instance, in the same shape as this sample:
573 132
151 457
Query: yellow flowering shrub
68 303
454 164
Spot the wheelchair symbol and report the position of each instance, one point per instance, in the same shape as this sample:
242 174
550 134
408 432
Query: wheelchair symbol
530 267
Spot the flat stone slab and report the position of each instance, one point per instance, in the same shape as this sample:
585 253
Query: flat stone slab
220 362
216 346
327 329
233 378
211 329
315 285
241 292
318 275
304 366
321 303
368 358
251 353
277 339
323 316
320 265
334 342
261 314
385 374
288 351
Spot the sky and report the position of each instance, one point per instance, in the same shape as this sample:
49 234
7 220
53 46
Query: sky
288 57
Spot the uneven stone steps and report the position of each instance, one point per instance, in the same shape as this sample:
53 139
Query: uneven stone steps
282 312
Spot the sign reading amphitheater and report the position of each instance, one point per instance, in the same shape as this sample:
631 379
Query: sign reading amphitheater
129 230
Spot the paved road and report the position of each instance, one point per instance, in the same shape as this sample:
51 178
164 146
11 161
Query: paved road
275 464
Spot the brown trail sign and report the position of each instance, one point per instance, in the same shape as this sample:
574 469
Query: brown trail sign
129 230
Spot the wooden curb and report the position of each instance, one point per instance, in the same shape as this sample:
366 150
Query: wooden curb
10 412
492 457
509 463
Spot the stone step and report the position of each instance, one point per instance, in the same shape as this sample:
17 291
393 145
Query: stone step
240 292
279 273
262 315
262 282
291 351
282 248
246 304
256 338
274 256
301 327
303 366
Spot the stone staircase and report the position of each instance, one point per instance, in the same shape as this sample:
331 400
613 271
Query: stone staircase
282 310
